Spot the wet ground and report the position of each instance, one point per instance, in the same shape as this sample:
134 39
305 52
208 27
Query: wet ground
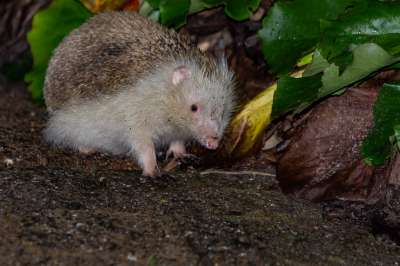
59 208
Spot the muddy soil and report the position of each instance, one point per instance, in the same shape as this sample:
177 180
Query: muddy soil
60 208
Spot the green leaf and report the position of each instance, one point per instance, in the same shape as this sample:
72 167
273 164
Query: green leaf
236 9
390 42
395 66
174 13
195 6
305 60
49 27
157 3
146 8
368 59
340 92
291 92
155 14
368 162
378 146
317 66
368 21
292 28
396 129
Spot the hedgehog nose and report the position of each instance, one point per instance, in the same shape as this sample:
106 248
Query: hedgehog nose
211 143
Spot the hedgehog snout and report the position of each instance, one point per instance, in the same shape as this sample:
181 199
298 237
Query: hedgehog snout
211 143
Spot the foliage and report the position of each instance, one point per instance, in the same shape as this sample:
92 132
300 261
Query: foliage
168 12
49 27
292 93
173 12
351 41
292 28
368 21
368 58
236 9
378 146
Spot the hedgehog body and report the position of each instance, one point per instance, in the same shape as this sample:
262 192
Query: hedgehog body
123 84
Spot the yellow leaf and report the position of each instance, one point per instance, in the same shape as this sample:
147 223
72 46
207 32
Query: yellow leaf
96 6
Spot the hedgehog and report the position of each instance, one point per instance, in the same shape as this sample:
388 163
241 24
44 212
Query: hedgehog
124 84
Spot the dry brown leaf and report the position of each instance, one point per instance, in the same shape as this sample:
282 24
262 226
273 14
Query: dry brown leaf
323 160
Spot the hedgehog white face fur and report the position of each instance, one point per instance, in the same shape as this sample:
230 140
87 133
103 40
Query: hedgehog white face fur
200 104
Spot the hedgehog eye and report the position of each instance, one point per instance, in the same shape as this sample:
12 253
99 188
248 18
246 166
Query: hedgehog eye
193 108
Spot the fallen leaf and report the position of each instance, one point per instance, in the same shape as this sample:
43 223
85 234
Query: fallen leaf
322 160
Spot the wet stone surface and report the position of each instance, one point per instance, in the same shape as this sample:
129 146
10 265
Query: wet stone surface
60 208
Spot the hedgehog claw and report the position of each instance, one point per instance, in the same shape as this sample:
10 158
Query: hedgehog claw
189 160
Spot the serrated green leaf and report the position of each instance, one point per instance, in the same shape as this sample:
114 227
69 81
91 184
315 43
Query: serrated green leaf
292 28
195 6
368 21
174 13
157 3
395 66
49 27
390 42
317 65
396 129
292 92
378 146
236 9
368 59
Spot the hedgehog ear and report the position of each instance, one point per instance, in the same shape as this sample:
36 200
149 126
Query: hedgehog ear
180 74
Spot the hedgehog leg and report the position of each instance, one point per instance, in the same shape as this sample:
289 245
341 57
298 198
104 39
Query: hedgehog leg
86 150
176 148
147 160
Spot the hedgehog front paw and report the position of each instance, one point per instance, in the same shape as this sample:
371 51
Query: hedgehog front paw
177 149
189 160
160 177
